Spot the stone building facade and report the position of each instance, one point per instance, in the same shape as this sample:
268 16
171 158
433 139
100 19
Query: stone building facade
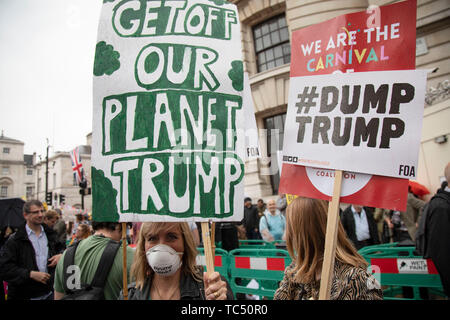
17 174
24 176
61 180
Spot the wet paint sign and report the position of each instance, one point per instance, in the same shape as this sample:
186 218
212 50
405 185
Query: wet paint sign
412 266
168 103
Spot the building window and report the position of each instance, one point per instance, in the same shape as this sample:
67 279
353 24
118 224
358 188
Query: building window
54 180
29 172
6 150
29 192
5 170
4 192
272 43
275 133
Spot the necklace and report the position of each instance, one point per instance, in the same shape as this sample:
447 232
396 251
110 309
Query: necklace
161 297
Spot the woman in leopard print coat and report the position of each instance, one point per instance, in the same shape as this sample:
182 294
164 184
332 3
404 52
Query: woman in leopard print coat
306 221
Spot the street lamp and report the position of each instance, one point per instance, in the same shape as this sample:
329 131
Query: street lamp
46 173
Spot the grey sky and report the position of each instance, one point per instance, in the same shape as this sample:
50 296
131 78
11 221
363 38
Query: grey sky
46 60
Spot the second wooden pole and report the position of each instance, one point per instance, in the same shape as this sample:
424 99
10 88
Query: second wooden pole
331 239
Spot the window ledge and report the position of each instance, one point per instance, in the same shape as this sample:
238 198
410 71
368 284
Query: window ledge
261 76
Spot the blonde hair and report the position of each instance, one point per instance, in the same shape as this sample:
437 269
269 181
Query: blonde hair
140 269
306 223
51 214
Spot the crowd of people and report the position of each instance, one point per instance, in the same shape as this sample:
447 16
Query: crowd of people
37 261
264 221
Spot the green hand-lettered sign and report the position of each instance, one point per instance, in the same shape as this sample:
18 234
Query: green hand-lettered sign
168 106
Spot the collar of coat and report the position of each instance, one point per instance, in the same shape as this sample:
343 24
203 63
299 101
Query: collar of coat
21 233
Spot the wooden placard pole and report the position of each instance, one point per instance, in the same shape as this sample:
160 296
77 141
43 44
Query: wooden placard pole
125 278
207 247
331 239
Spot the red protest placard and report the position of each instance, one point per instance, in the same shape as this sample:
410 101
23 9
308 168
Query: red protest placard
380 38
383 38
378 191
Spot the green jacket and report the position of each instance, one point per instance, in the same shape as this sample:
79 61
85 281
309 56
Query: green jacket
87 258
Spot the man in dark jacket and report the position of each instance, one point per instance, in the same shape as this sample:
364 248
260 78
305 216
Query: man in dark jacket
438 230
251 220
360 226
29 257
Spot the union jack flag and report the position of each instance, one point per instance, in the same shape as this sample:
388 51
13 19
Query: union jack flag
77 166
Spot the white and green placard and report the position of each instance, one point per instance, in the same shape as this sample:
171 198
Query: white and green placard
167 104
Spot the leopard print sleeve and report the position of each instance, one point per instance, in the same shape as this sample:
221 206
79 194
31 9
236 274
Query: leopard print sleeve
349 283
367 286
284 290
289 289
358 284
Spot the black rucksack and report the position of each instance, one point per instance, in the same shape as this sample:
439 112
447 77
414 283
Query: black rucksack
94 290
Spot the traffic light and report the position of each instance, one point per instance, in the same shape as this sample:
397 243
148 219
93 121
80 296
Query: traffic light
85 192
48 198
83 184
62 198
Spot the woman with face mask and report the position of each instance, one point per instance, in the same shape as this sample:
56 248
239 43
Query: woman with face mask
164 267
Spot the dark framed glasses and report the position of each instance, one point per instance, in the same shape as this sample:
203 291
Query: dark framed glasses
37 211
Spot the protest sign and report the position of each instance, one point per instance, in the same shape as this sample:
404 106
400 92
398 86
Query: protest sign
252 149
368 122
168 91
356 188
380 38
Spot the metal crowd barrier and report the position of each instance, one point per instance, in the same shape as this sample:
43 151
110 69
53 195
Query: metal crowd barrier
400 270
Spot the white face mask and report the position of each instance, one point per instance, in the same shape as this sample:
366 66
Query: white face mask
164 260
